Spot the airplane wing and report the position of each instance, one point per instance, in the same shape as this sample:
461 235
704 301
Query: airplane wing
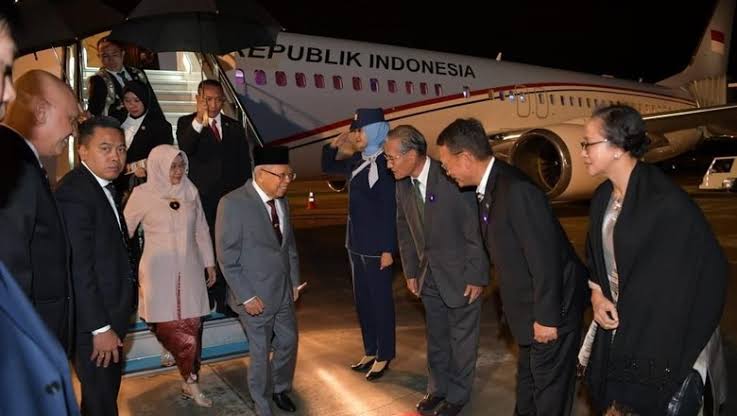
718 118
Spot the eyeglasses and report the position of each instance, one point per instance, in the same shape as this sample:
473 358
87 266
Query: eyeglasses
585 145
390 158
282 176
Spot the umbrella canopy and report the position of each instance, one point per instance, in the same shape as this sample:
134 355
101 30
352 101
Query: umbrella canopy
43 24
207 26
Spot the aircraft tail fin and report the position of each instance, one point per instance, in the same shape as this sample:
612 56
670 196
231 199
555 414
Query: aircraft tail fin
705 76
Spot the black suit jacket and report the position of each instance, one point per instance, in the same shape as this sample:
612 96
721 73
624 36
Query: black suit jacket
540 277
102 273
34 244
98 93
215 167
447 244
154 131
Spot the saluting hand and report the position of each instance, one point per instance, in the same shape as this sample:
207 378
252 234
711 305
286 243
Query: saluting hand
201 116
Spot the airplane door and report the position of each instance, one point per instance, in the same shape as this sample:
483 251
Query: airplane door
523 101
542 105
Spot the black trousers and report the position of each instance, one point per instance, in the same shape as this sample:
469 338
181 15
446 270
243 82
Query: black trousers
100 385
546 376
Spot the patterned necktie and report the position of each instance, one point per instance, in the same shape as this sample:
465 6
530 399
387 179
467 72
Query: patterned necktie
418 198
215 131
275 220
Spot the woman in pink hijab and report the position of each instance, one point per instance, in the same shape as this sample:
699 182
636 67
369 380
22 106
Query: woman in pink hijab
173 297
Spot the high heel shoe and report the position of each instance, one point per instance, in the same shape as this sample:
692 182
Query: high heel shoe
192 391
365 363
376 374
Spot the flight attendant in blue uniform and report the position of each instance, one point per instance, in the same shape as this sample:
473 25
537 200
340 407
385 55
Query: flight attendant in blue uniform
371 232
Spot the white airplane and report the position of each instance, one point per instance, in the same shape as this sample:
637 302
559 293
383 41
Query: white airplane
302 92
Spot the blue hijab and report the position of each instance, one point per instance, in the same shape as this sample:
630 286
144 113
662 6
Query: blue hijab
375 136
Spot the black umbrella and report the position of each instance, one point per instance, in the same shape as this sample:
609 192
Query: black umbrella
42 24
207 26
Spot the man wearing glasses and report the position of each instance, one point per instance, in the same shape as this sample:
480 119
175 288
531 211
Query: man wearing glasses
106 86
219 158
258 256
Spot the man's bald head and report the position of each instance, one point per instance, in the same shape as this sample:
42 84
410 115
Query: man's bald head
45 111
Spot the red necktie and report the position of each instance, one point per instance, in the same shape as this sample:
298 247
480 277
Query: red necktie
214 128
275 219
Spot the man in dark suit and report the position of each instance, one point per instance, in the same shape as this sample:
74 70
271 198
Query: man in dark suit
106 86
445 265
102 268
34 246
219 157
542 280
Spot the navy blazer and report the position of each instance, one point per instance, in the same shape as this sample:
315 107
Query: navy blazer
371 227
35 373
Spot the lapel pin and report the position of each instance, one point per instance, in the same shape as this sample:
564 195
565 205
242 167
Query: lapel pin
431 197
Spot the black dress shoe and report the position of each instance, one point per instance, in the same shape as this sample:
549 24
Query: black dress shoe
283 402
427 405
449 409
363 366
373 375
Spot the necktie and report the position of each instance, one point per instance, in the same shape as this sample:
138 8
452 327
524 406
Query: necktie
123 228
418 198
275 219
215 131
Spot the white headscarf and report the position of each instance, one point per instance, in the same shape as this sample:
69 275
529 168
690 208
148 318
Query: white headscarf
158 184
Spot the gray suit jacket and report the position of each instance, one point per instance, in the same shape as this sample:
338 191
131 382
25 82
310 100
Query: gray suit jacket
449 244
250 257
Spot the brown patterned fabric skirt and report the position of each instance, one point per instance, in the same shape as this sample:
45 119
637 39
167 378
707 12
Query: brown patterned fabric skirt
183 338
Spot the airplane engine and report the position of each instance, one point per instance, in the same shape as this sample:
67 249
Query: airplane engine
551 157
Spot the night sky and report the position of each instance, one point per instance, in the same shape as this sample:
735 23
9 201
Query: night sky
623 38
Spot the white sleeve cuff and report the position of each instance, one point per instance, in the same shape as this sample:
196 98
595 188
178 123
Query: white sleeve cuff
101 330
249 300
594 286
196 125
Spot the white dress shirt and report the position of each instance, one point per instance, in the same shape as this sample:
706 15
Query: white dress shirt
197 126
130 127
119 76
481 189
279 210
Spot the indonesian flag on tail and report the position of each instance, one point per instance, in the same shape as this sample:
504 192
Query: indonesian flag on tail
717 42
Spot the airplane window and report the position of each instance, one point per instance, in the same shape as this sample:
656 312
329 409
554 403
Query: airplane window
240 77
540 98
588 102
466 91
438 90
552 99
423 88
260 77
392 85
301 80
374 84
522 98
562 100
357 84
596 102
319 81
337 82
281 78
580 104
409 87
570 100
